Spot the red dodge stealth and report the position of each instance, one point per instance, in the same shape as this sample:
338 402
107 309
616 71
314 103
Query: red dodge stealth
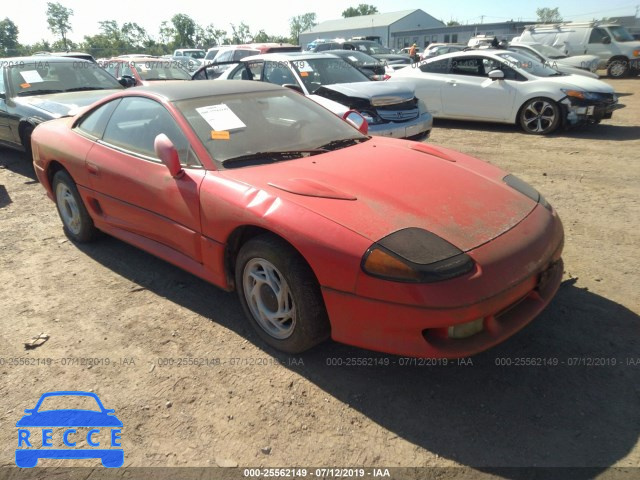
384 244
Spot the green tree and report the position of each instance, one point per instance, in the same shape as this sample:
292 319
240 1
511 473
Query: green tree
452 23
301 23
58 19
362 9
240 34
210 36
9 45
549 15
185 30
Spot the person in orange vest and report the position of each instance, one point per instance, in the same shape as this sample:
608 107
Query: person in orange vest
412 52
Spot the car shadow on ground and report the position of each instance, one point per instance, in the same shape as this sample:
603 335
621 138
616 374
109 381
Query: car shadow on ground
577 405
595 132
17 162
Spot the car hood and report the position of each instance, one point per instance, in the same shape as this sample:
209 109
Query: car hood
384 185
63 104
578 61
69 418
580 82
377 93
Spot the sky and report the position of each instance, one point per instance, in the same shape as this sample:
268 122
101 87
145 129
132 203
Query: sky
273 16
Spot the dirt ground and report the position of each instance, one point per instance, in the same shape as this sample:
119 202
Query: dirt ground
142 320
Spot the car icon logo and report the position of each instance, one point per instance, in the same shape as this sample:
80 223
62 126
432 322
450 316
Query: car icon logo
103 435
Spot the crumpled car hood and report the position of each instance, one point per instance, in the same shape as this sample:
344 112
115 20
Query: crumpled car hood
378 93
58 105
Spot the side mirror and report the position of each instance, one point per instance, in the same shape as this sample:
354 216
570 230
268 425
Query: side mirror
168 154
3 95
606 40
496 75
127 81
357 120
294 86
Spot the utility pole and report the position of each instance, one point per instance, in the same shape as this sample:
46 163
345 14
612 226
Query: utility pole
482 18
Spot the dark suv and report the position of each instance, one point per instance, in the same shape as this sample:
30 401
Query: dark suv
40 88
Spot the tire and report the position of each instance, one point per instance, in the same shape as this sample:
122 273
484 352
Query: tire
77 223
618 68
266 266
539 116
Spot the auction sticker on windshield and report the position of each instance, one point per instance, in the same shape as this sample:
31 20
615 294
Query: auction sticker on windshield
220 117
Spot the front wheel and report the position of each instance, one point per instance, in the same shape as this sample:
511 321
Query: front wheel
539 116
280 295
77 223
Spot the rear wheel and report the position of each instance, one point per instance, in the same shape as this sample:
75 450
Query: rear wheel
77 223
539 116
280 295
618 68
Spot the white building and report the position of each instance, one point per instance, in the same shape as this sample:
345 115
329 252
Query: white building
390 27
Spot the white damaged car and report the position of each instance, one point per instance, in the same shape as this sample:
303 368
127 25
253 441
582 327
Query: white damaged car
391 110
509 87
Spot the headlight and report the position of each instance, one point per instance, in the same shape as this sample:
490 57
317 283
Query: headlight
582 95
415 255
526 189
370 117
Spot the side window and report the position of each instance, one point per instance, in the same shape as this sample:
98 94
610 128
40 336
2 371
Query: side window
125 69
2 89
135 124
471 66
94 123
225 57
112 68
597 35
509 73
439 66
247 71
276 72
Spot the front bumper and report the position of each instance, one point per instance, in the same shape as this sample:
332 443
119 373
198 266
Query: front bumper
588 111
420 126
504 296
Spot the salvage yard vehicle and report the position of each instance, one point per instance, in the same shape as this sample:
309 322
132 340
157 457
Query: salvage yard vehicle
616 48
390 110
323 231
40 88
586 65
142 70
496 85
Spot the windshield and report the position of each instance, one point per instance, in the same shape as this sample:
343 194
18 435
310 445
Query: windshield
358 57
620 34
54 77
161 70
316 72
549 52
372 48
211 54
528 64
194 53
241 125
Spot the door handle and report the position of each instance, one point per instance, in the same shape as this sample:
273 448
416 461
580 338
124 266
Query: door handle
452 82
93 169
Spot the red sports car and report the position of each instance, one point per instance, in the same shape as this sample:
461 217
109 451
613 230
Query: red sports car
385 244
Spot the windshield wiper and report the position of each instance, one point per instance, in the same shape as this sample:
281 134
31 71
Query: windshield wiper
345 142
272 157
82 89
37 92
